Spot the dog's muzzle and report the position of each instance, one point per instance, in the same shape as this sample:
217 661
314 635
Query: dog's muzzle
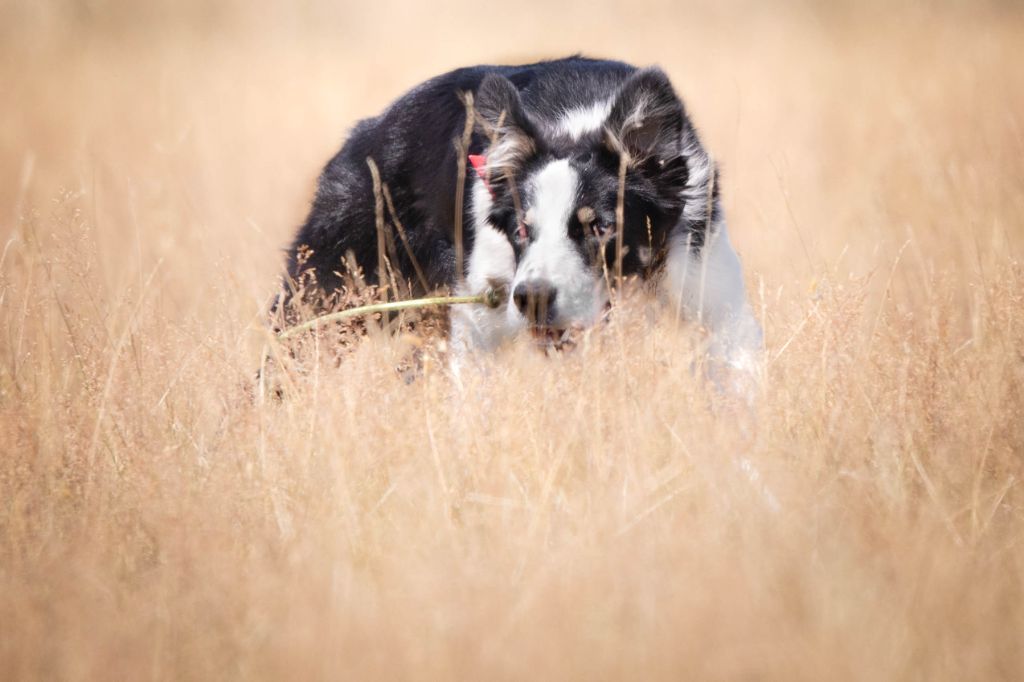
535 300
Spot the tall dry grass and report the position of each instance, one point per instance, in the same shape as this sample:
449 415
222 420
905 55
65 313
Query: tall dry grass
590 516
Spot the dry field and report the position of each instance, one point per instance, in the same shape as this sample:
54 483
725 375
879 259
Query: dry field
588 516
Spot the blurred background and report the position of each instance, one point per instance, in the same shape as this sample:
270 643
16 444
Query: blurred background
589 520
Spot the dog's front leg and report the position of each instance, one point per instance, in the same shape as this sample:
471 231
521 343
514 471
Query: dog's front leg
706 285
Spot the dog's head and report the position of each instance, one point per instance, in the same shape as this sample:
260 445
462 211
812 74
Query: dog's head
556 185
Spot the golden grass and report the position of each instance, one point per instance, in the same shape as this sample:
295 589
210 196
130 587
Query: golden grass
585 517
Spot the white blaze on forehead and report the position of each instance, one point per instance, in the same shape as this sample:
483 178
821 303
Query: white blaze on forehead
554 191
578 122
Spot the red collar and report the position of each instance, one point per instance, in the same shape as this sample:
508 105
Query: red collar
479 163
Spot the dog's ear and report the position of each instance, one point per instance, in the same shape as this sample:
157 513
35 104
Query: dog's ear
501 119
646 119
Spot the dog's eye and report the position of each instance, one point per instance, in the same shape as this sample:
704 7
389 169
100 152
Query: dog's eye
521 235
591 224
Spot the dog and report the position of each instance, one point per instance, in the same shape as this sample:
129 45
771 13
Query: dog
576 173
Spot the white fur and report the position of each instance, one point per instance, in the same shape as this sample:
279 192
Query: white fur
491 263
698 183
552 256
578 122
709 289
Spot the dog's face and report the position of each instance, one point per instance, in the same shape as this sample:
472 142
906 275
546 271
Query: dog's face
556 186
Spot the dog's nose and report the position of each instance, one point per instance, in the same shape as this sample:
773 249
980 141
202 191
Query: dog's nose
536 300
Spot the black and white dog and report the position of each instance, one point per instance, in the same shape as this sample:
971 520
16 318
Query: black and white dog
542 210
